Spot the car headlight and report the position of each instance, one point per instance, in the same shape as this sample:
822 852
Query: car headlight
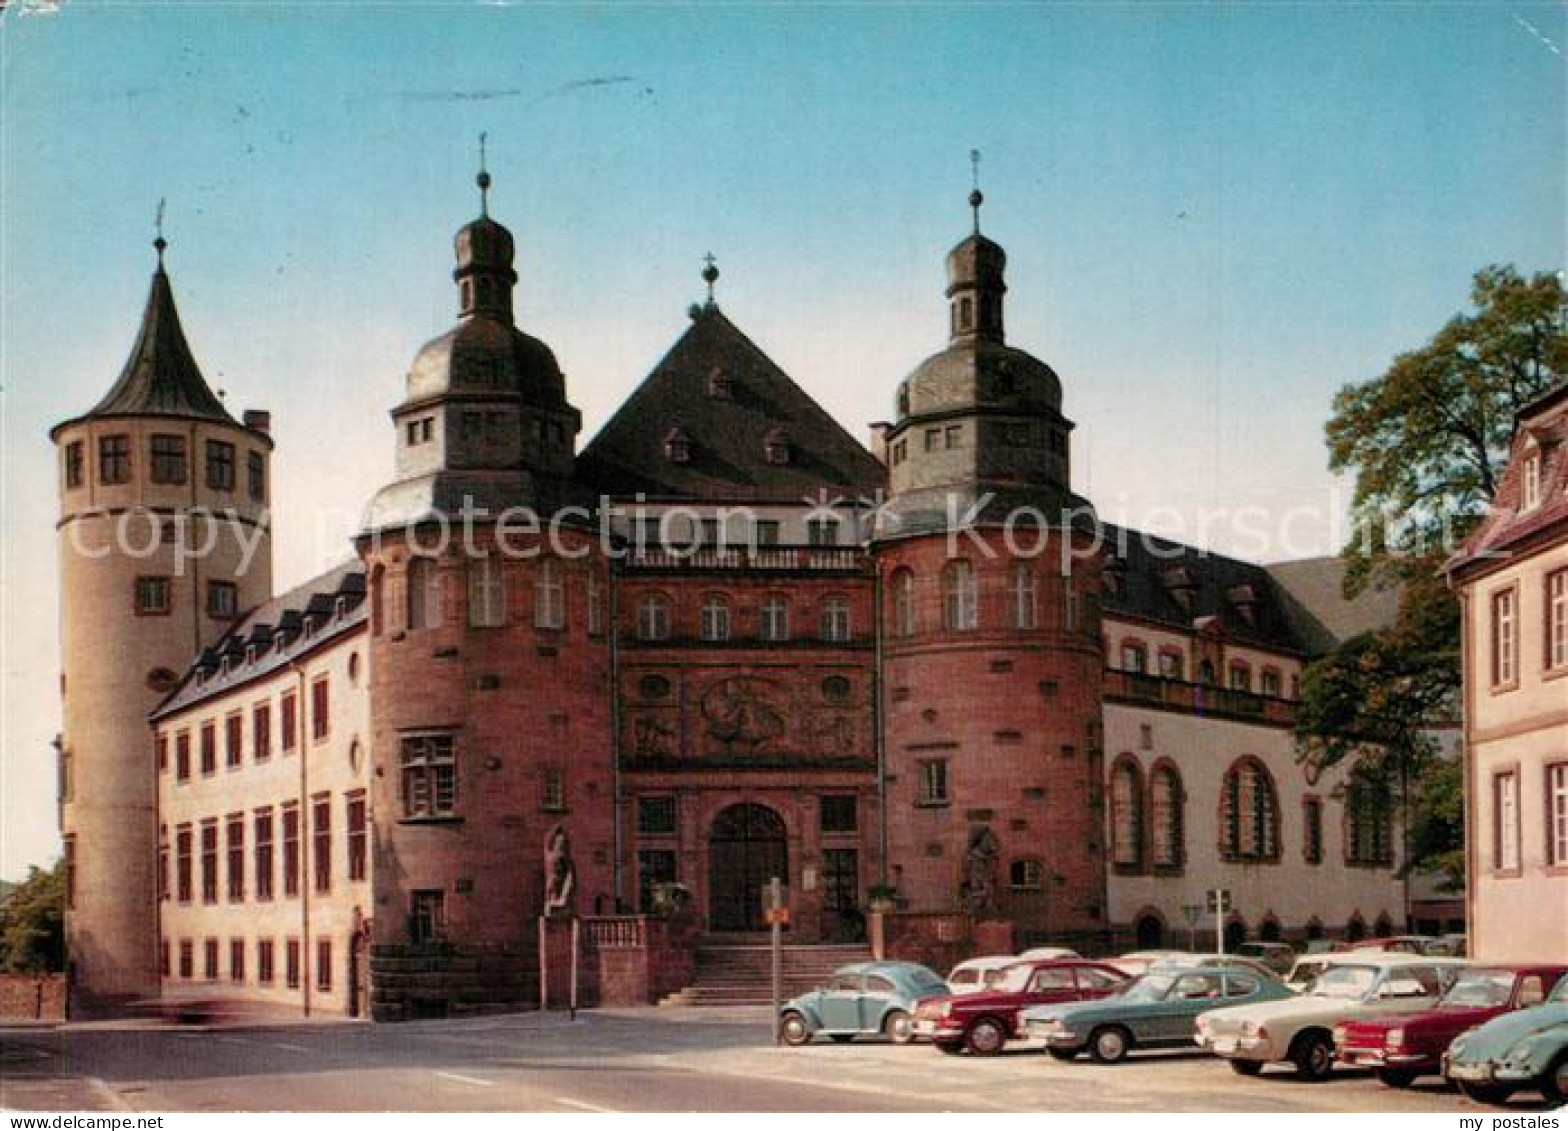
1521 1050
1457 1046
946 1010
1204 1024
1395 1038
1339 1035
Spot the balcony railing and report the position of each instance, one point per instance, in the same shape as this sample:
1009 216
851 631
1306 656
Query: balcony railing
615 932
809 559
1199 698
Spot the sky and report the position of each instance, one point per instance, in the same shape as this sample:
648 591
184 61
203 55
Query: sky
1215 217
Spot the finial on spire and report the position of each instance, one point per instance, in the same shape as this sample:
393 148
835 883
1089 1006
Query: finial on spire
483 179
710 274
159 243
976 197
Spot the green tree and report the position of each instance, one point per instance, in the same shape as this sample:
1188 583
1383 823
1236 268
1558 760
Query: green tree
1427 442
32 924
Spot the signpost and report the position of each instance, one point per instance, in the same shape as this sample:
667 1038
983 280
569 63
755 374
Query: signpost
777 915
1219 907
1192 912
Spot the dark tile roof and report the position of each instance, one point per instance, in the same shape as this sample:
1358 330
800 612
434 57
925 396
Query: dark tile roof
725 431
282 619
161 377
1316 602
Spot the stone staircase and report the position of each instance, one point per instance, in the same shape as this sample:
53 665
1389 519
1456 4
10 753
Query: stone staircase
738 970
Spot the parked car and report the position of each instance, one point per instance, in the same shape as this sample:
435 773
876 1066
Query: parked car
1137 961
1397 944
982 1023
1524 1049
864 999
1277 956
1305 970
1456 945
1301 1029
975 975
1039 953
1158 1010
1400 1047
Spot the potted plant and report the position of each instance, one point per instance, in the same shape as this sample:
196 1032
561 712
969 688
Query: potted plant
882 897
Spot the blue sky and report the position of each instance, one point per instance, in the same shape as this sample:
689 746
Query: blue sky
1215 216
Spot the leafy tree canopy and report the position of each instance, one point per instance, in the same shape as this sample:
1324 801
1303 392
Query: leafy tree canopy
32 924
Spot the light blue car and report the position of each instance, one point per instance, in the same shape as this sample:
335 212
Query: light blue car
866 999
1526 1050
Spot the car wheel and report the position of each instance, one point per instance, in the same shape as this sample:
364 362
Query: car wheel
1554 1085
1109 1045
1062 1054
841 1038
1313 1056
1246 1067
985 1037
1494 1094
1397 1077
951 1048
794 1030
898 1027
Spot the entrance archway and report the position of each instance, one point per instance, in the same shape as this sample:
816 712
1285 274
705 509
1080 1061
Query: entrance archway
1235 934
747 847
1149 932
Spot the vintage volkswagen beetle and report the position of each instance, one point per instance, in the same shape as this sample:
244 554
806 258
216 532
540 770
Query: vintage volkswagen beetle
1513 1052
864 999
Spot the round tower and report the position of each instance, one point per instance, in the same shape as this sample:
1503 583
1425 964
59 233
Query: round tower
990 575
164 539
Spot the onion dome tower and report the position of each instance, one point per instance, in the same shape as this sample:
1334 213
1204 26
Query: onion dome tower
164 540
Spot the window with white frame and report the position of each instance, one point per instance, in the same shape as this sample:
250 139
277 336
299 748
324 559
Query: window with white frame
549 596
1530 487
653 617
1505 637
1505 817
429 775
960 596
1557 619
775 618
424 593
595 607
1557 814
486 593
903 603
1024 592
835 620
714 622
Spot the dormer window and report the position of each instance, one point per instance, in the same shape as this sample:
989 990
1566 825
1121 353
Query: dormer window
1530 490
721 386
1179 585
776 446
677 446
1244 599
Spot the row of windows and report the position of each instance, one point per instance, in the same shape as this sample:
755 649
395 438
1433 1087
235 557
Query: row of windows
1171 663
266 972
261 746
168 463
274 853
428 779
961 599
487 598
1505 631
715 619
152 595
1507 831
657 815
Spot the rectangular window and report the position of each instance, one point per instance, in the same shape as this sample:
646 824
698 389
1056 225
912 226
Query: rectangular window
822 532
182 755
1171 665
1505 821
1240 677
324 965
840 879
168 459
1134 658
291 849
163 863
595 607
1505 642
261 731
932 784
1530 494
209 959
163 959
69 846
236 960
1557 814
154 596
234 740
220 465
553 793
656 816
766 532
114 459
839 813
73 464
429 775
264 958
1270 682
358 837
427 916
291 964
256 476
933 439
549 597
209 748
953 436
182 863
486 593
1557 619
264 853
187 959
223 600
209 861
289 721
424 593
235 833
1312 830
321 842
320 709
655 868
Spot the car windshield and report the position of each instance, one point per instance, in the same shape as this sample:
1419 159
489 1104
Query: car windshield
1344 981
1481 988
1014 979
1560 994
1150 987
926 982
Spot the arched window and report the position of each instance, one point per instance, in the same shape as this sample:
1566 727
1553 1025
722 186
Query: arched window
1240 676
1025 597
549 596
1268 930
1369 825
903 584
1249 813
486 593
775 618
1149 931
1172 664
653 617
1383 926
424 593
378 579
1126 813
960 596
715 619
1356 929
1135 656
835 620
1166 817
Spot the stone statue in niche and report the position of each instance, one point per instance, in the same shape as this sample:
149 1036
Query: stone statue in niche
560 875
977 885
652 738
742 715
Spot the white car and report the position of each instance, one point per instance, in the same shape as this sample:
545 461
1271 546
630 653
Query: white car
977 975
1301 1029
1046 954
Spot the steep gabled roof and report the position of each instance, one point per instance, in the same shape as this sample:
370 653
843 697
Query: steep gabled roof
1316 602
720 394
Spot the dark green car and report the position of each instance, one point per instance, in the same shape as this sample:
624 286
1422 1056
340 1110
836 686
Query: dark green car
1158 1011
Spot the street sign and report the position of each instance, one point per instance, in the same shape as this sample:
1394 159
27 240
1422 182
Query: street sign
776 915
1219 901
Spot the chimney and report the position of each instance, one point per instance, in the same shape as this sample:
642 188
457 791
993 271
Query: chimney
258 420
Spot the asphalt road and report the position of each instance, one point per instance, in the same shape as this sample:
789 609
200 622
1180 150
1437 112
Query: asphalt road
618 1060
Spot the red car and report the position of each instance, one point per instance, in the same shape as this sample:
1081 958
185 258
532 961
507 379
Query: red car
1402 1046
984 1022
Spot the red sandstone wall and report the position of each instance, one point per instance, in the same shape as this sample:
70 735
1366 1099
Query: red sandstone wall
25 997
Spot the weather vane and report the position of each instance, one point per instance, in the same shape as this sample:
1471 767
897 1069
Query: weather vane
710 274
976 197
159 243
483 180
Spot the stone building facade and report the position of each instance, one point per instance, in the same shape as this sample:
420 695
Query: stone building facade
722 642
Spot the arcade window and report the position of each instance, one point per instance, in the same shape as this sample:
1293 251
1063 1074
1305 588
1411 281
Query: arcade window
429 775
931 785
114 459
153 596
656 816
220 465
839 813
168 459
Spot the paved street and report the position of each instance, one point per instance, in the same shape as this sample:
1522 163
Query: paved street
618 1060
